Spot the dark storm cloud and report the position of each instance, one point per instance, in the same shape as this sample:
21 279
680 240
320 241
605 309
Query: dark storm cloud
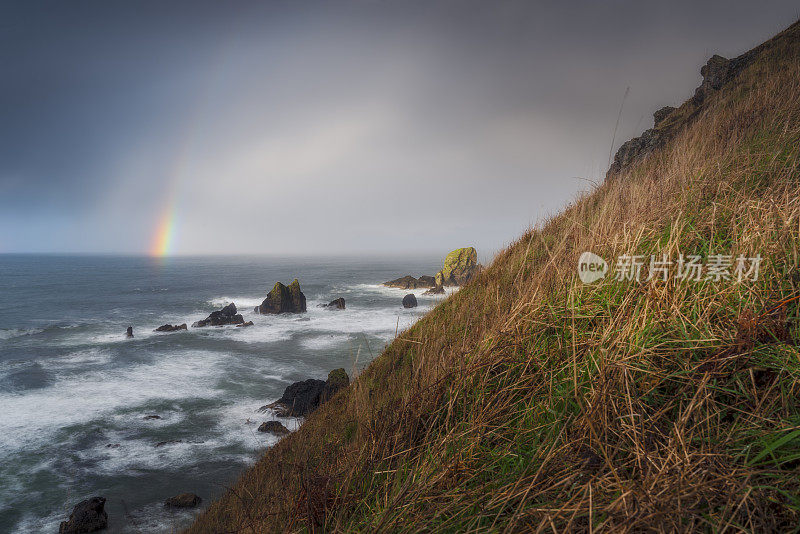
425 124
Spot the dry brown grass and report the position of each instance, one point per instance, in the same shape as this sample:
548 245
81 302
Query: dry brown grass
531 402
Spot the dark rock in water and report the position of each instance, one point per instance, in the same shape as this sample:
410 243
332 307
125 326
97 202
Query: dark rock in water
410 301
170 442
149 417
409 282
171 328
248 323
426 281
129 332
276 427
87 516
437 290
184 500
283 299
458 268
336 304
301 398
112 446
226 315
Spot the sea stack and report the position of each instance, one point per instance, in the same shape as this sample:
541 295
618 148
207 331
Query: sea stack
283 299
458 267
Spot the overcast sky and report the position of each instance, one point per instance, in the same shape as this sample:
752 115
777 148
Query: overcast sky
332 127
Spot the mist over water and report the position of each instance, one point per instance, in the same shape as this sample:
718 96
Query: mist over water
75 391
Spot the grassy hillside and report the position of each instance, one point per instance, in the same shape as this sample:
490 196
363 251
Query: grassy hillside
531 401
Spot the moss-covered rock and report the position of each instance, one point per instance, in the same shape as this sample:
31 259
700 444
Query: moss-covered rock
458 267
283 299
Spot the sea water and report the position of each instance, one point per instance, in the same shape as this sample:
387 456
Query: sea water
75 392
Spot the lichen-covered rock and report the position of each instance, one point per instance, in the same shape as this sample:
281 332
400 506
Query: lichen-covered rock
410 301
87 516
226 315
409 282
184 500
458 268
283 299
337 379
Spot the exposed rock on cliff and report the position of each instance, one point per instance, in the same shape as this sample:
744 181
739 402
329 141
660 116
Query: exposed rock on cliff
226 315
283 299
668 121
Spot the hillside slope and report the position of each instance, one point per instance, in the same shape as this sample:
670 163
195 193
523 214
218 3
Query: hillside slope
532 401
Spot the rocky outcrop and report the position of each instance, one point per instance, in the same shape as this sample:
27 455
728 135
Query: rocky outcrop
226 315
283 299
129 332
410 301
458 268
302 398
409 282
436 290
171 328
337 304
184 500
668 121
274 427
87 516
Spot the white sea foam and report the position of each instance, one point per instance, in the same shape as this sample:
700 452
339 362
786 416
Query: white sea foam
242 303
325 341
10 333
32 418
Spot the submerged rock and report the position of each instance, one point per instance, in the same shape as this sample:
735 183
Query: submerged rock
248 323
150 417
226 315
275 427
302 398
409 282
129 332
87 516
184 500
458 267
171 328
410 301
283 299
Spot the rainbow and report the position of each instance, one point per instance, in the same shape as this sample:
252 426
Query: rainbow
165 233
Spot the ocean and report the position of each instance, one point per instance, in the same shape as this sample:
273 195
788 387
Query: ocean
75 392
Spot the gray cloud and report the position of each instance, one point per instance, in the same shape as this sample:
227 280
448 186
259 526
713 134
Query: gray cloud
330 127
